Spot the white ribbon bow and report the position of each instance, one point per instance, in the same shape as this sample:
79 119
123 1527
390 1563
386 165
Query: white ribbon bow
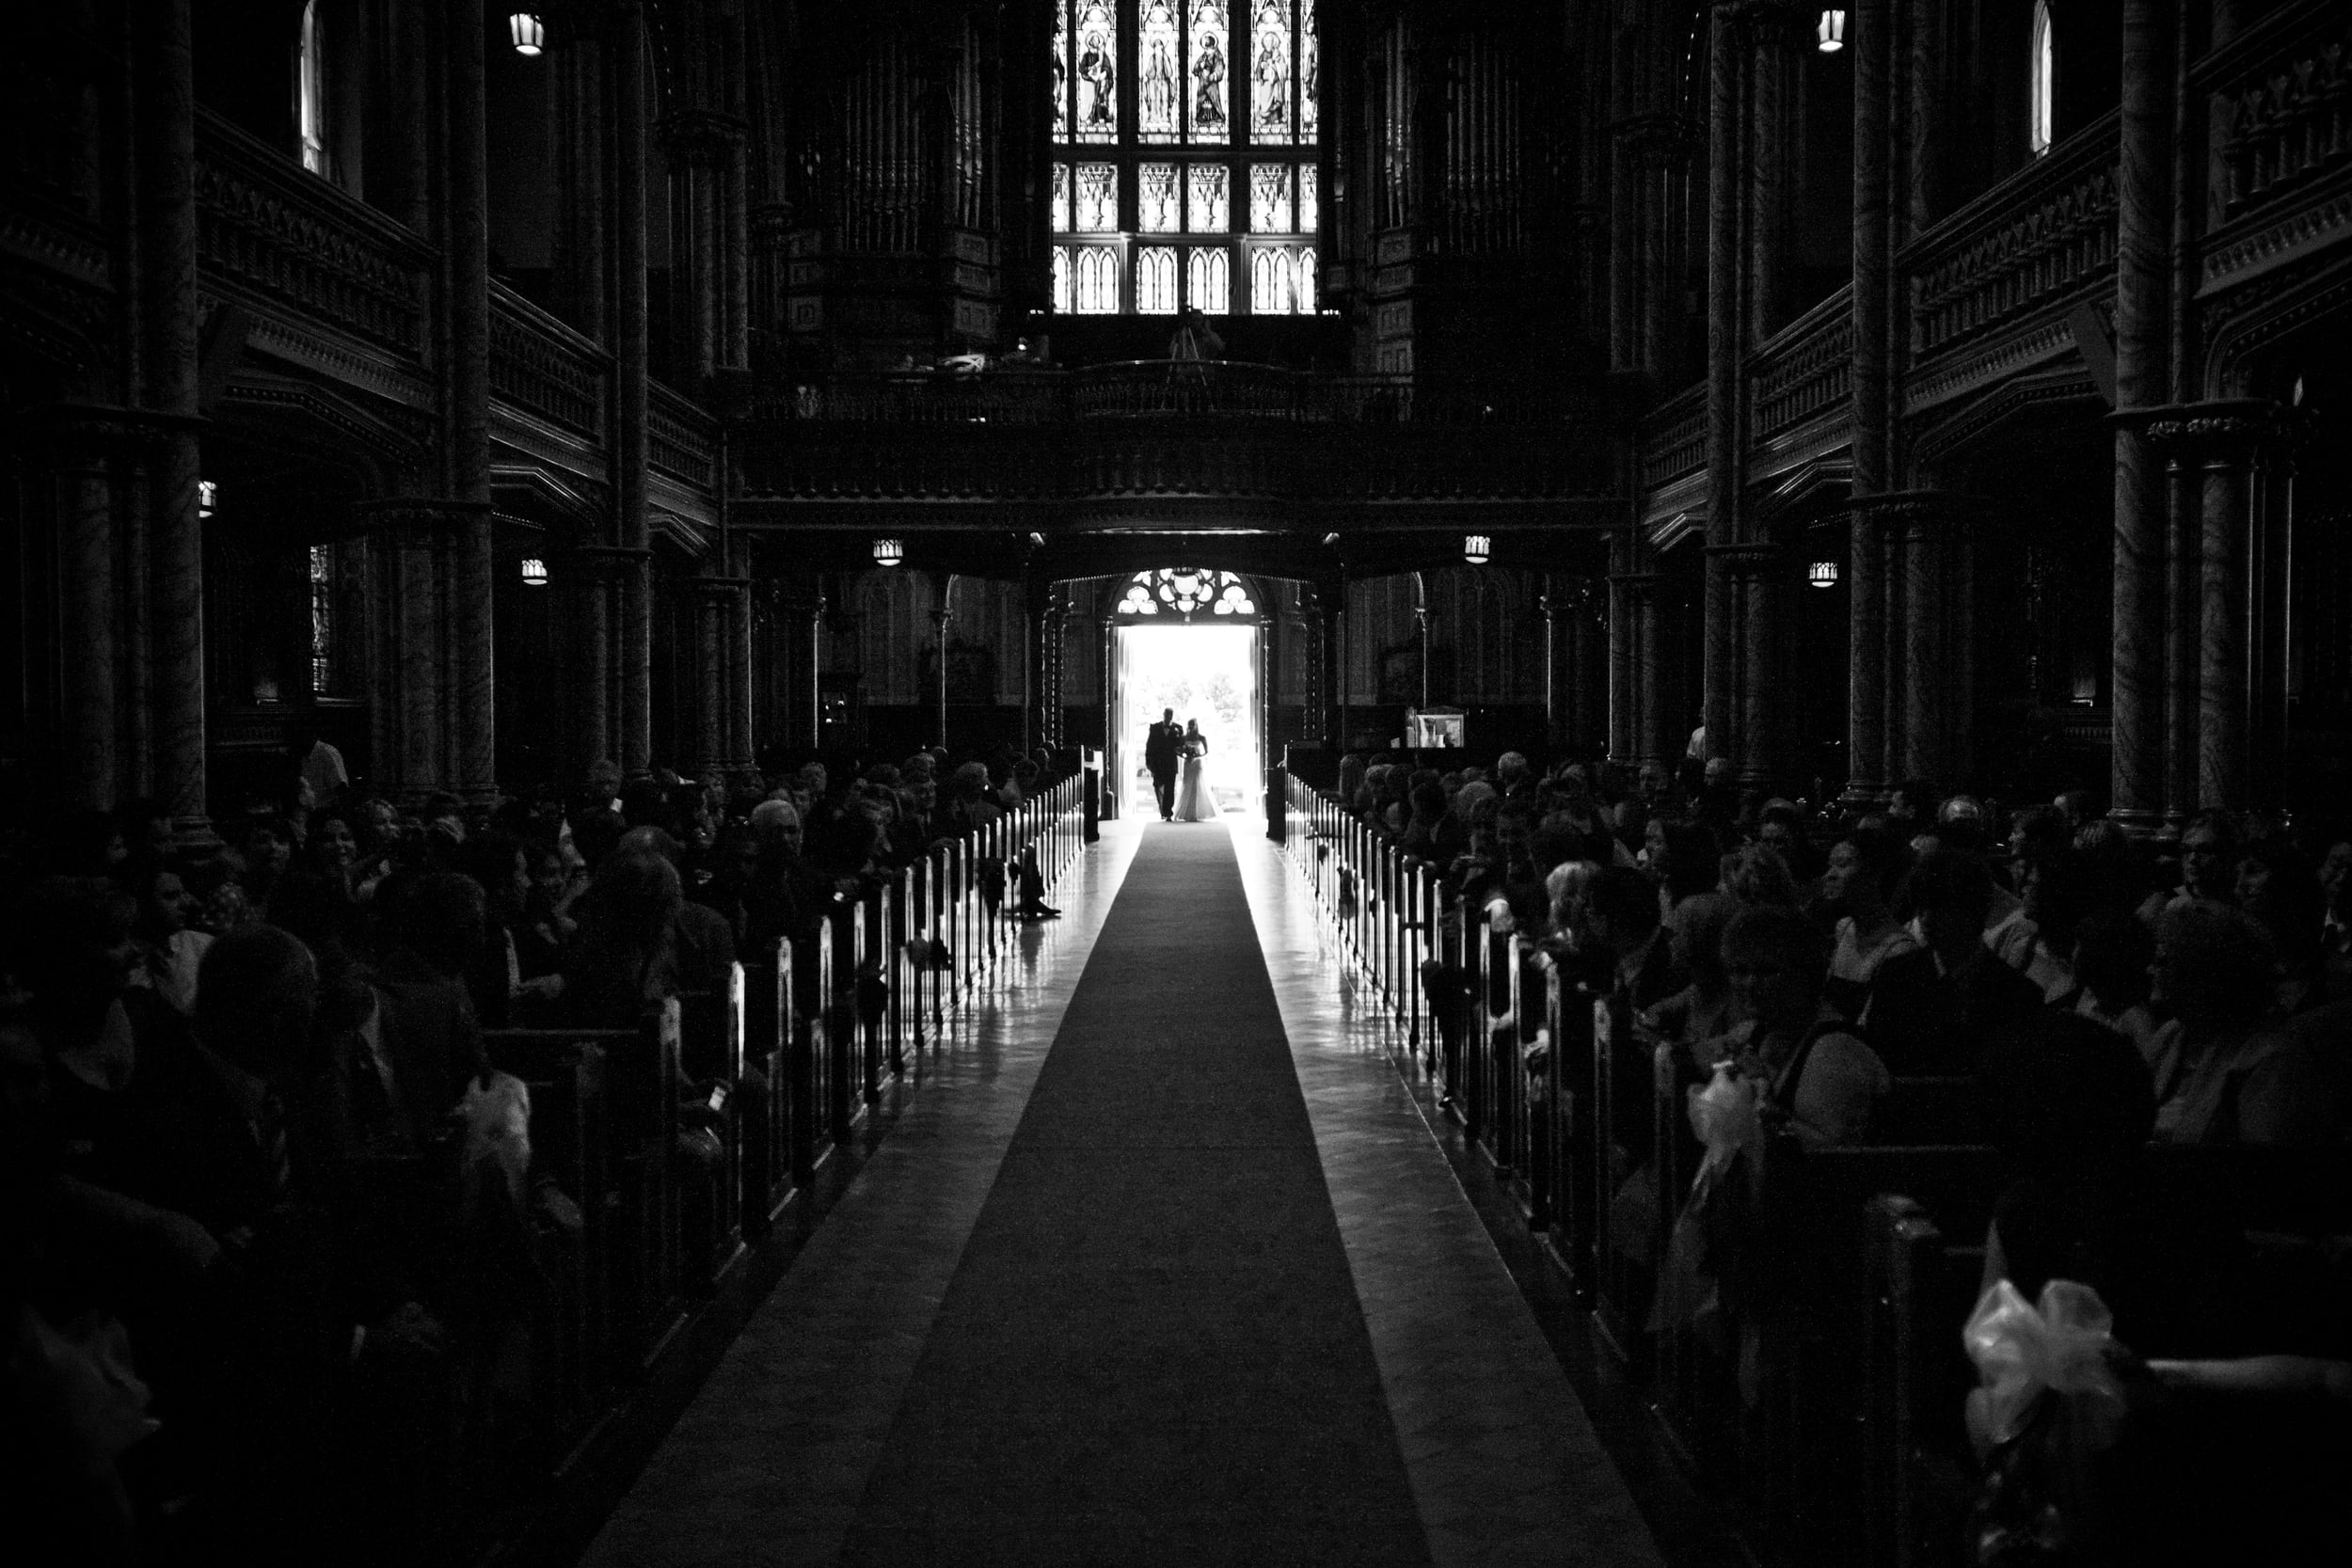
2022 1349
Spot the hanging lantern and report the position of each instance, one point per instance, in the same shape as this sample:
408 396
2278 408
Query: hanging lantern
207 496
1476 547
528 33
1821 574
534 572
889 552
1832 32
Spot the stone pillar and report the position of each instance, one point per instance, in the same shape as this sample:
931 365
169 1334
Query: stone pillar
579 163
943 610
1107 666
1555 721
2142 282
79 447
1873 291
705 153
163 103
1923 530
473 693
630 390
1924 62
712 599
1644 598
1725 361
1057 629
742 725
1624 653
1759 573
1774 28
409 700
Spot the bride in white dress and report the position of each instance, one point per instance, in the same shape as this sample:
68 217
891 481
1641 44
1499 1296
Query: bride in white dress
1194 804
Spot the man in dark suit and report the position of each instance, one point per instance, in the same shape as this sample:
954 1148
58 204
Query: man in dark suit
1162 748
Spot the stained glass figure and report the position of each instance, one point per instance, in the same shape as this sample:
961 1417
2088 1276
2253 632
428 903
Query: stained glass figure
1310 62
1098 72
1062 279
1306 281
1270 72
1095 286
1097 205
1306 205
1208 210
1156 209
1158 91
1209 281
1061 71
1061 199
1155 280
1207 73
1270 199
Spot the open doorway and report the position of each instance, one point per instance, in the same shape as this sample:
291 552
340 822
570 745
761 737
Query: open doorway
1208 672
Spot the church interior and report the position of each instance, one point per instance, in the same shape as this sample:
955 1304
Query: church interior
1753 963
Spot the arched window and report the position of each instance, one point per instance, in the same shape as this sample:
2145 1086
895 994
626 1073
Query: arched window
1185 591
310 93
1195 120
2042 127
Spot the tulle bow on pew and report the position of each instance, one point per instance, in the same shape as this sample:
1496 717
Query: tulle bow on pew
2064 1344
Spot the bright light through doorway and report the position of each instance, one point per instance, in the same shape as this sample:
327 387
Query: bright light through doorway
1205 673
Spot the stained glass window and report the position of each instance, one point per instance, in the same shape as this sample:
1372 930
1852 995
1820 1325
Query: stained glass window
1270 199
311 94
1209 281
1270 70
1208 210
1155 200
1097 205
1206 75
1310 62
1159 90
1155 280
1270 284
1186 591
1094 281
1096 68
1135 80
321 621
1061 73
1306 281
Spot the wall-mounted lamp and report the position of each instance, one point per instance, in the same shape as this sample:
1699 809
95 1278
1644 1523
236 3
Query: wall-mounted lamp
207 496
1476 547
1037 541
534 572
1821 574
528 33
888 552
1832 32
1330 539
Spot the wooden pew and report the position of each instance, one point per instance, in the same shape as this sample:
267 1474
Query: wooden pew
712 1028
767 1126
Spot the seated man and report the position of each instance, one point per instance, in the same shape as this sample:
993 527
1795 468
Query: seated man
1934 1010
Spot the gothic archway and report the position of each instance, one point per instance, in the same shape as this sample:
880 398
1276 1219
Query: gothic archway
1192 639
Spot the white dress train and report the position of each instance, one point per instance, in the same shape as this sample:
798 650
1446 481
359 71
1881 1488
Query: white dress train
1194 804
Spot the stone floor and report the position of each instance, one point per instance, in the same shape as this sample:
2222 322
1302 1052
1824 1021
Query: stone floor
772 1461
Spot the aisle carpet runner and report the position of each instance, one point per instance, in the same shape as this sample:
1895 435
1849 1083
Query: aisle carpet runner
1151 1351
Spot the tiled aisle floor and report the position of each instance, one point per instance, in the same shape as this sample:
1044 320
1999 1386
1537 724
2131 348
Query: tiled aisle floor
769 1463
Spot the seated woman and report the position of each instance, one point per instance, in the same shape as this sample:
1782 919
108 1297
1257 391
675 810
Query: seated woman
1865 868
2223 1073
1701 1013
1814 1074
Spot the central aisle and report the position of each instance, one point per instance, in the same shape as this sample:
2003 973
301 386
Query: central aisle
1151 1349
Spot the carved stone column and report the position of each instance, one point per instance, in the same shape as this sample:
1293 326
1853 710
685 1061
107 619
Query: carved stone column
2142 274
1645 603
576 52
1925 540
705 151
631 374
742 732
1873 293
409 701
2241 596
1624 653
163 101
1726 358
713 598
1035 617
1774 28
77 450
472 694
1548 603
1760 573
943 612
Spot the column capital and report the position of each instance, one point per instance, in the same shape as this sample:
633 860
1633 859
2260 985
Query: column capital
1916 513
2221 431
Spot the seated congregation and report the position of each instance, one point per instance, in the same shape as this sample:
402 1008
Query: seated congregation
356 1170
1795 1094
